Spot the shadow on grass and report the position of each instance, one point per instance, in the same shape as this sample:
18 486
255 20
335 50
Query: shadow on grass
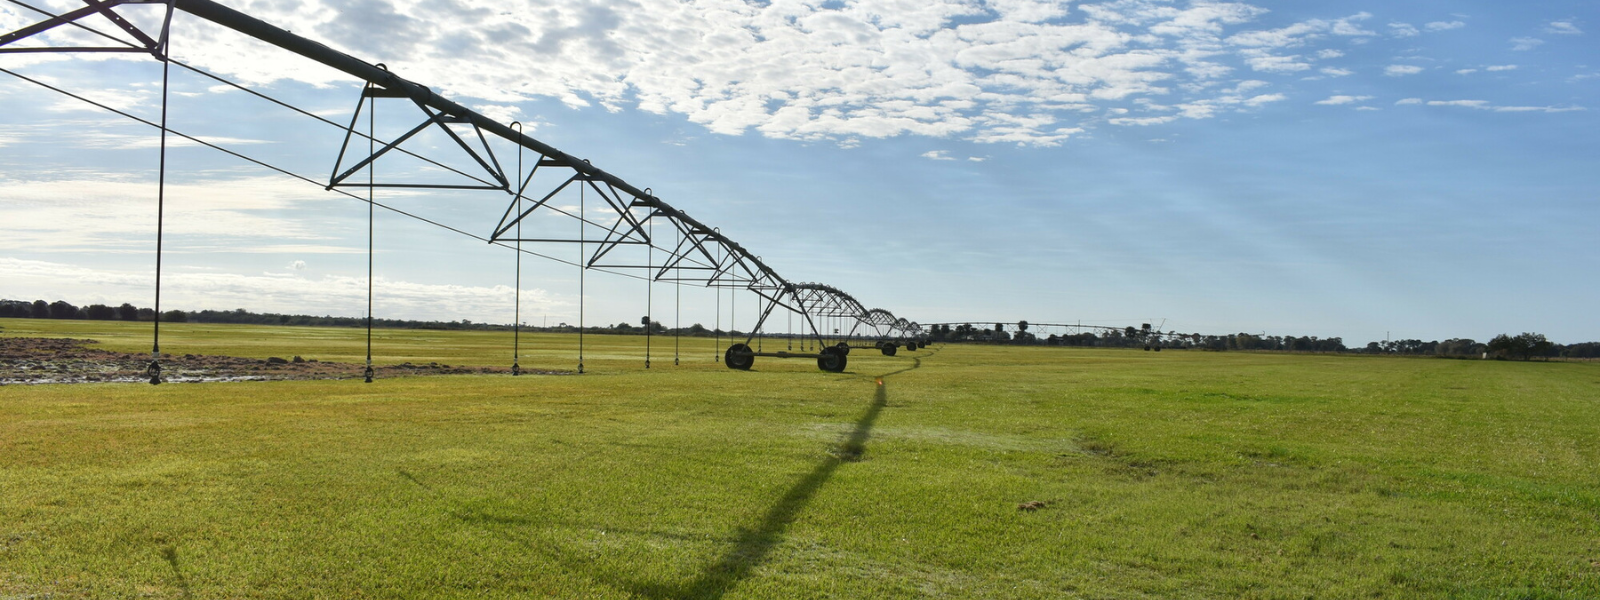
755 545
169 553
751 547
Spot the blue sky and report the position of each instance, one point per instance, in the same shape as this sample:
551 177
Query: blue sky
1414 169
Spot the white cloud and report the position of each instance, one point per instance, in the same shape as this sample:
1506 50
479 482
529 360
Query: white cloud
504 113
1264 99
1563 28
1341 100
937 155
1444 25
1543 109
1493 68
1347 26
790 69
298 265
1336 72
1403 30
1276 64
287 292
1247 86
1466 71
99 214
1523 44
1142 121
1301 33
1487 106
1409 101
1465 103
1401 70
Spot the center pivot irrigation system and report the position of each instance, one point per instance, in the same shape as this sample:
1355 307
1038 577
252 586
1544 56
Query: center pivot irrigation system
691 252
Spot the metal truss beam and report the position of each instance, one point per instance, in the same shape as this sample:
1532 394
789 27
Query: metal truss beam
703 255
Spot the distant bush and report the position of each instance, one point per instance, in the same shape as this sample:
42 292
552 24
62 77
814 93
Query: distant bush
99 312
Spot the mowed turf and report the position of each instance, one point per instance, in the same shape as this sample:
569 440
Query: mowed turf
1171 475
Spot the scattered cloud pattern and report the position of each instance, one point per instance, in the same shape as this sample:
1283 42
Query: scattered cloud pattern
1024 72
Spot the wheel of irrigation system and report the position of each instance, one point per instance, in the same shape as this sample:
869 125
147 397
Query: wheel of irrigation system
912 346
1158 348
844 349
890 349
832 360
738 357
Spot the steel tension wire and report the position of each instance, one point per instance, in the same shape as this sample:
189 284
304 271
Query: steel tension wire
233 20
303 112
268 98
304 178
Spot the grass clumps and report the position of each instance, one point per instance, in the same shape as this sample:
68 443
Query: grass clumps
970 472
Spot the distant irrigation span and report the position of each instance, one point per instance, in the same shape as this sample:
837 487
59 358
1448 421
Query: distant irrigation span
608 238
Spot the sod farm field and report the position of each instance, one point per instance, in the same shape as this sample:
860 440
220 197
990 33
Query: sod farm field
970 472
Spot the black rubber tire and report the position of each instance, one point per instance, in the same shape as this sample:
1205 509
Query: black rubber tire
890 349
844 348
1146 348
738 357
832 360
1158 348
912 346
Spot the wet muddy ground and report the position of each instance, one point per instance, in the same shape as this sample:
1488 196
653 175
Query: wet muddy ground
60 360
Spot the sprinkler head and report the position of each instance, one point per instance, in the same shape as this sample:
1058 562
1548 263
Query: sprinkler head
515 370
154 370
368 374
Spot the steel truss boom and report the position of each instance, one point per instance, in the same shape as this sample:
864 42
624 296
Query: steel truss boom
702 255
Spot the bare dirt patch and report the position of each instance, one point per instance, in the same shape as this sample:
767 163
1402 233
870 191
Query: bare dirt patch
60 360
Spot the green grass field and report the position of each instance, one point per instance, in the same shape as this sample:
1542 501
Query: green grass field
1164 475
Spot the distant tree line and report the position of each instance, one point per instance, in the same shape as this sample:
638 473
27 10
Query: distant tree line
1132 337
1525 346
61 309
